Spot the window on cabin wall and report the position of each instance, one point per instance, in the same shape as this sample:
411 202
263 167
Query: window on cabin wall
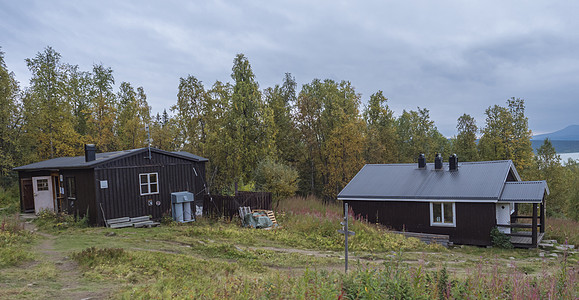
70 188
442 214
71 193
42 184
149 183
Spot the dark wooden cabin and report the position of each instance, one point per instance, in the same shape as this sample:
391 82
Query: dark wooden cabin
110 185
462 200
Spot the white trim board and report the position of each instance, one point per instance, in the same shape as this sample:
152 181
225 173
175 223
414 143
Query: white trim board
434 200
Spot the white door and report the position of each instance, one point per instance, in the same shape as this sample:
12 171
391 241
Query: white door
42 187
504 217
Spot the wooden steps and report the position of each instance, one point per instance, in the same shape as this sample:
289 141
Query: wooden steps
143 221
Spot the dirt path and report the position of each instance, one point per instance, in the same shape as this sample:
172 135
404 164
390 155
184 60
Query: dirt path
67 284
300 251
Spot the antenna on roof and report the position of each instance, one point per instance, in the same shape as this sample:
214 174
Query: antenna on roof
148 140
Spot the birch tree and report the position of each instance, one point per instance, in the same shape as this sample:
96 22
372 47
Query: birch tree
48 119
10 120
103 109
464 145
380 131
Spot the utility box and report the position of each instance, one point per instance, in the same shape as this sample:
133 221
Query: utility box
181 204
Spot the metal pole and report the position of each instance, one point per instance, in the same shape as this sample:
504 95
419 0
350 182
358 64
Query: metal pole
346 230
148 140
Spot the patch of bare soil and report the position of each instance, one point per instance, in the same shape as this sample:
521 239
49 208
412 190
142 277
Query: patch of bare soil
68 276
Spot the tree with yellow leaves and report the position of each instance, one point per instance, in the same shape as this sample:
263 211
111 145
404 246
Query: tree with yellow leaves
48 121
103 109
507 135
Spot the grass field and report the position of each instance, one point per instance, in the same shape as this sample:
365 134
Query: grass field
303 259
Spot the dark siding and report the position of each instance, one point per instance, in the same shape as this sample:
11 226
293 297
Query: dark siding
122 198
511 176
473 220
85 193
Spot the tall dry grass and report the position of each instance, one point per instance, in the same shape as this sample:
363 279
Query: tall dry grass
563 230
311 205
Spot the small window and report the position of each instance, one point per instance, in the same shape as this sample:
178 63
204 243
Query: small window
70 188
42 185
149 183
442 214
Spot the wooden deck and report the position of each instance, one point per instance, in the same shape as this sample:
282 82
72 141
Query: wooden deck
526 241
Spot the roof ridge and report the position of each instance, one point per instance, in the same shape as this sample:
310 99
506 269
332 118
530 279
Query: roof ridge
486 161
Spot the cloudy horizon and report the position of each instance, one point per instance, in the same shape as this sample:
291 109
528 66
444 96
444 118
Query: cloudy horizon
450 57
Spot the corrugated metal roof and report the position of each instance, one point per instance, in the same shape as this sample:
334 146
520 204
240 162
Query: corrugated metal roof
191 155
524 191
78 162
472 181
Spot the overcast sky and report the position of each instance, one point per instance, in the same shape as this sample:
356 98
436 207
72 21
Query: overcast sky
451 57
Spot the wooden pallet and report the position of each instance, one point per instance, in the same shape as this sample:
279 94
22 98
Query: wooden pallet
428 238
268 213
144 221
244 210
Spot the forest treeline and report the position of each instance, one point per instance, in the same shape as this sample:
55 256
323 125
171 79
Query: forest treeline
311 141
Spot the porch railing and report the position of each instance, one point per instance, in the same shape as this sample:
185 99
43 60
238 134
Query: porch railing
537 225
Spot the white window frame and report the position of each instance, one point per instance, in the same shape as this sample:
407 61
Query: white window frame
442 224
148 183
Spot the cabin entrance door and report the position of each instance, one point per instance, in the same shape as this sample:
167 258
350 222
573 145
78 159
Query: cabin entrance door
27 194
43 194
504 217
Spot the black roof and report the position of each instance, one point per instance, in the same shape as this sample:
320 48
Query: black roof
472 182
78 162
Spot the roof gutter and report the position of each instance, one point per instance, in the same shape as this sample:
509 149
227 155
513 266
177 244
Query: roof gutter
418 200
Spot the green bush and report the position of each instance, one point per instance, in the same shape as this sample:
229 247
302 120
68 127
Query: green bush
279 179
9 200
14 241
500 239
94 256
48 219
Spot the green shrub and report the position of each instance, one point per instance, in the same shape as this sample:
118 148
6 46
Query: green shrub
500 239
9 200
14 242
279 179
94 256
48 219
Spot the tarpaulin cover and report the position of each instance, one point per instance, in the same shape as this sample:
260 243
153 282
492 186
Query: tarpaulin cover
257 220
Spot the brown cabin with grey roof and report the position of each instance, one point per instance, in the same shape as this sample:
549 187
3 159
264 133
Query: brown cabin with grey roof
110 185
463 200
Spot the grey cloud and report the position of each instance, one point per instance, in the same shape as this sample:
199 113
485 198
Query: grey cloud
452 58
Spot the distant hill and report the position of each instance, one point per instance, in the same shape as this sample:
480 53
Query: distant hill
565 140
569 133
